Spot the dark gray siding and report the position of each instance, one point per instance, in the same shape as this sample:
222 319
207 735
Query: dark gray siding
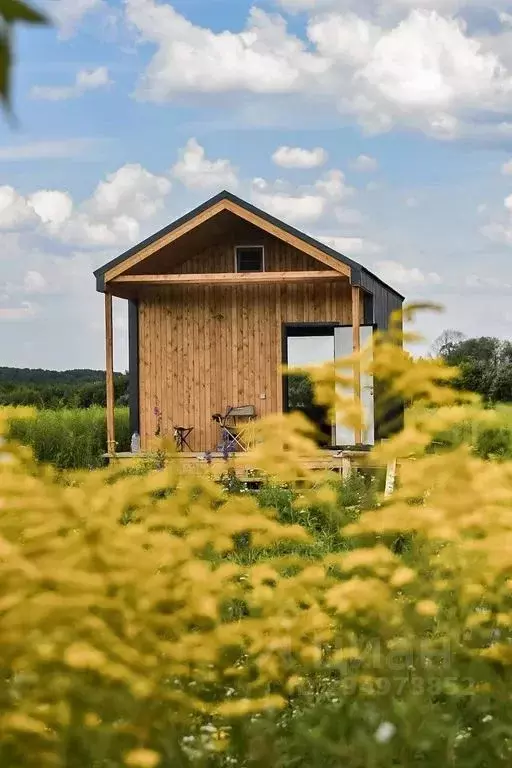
389 410
385 301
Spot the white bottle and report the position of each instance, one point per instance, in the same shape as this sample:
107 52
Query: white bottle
135 444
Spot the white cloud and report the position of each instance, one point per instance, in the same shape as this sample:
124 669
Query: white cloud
130 191
34 282
85 80
53 207
43 150
498 232
291 207
301 205
332 185
86 231
354 247
365 164
195 171
499 228
384 64
425 71
263 58
296 157
507 168
411 202
68 13
398 274
110 217
15 211
383 8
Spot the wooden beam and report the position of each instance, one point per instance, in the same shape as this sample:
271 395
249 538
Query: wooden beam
356 330
157 245
109 348
287 237
231 278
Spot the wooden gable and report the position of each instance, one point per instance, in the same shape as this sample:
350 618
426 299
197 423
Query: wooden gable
221 224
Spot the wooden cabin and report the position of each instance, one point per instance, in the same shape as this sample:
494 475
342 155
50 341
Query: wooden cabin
218 301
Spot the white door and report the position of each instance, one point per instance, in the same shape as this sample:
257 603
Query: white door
343 347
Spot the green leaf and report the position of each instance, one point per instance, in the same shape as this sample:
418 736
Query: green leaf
5 67
11 12
15 10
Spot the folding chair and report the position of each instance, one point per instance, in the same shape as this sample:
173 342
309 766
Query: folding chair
236 428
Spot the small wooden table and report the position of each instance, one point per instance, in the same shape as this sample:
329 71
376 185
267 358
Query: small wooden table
181 435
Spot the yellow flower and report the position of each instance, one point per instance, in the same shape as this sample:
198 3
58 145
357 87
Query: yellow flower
142 758
426 608
402 576
294 683
243 707
92 720
84 656
17 721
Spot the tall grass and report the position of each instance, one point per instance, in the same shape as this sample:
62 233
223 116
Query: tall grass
70 438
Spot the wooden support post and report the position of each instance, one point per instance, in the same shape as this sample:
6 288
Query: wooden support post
390 478
346 468
109 346
356 329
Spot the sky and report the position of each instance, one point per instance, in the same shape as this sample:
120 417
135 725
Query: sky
381 127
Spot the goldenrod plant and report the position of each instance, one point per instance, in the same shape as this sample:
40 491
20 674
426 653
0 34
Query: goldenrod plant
160 620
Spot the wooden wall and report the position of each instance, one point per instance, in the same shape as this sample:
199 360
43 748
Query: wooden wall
203 348
279 257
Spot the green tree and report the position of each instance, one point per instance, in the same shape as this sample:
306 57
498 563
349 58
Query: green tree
485 364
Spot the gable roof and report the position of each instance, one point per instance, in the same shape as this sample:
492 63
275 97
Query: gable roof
356 269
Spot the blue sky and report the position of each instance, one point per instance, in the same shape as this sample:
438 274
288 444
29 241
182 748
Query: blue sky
382 127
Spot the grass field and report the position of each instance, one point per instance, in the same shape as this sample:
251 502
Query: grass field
70 438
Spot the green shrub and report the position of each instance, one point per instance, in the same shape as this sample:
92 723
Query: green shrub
70 438
493 443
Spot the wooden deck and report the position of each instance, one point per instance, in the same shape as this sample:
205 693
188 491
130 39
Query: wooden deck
341 462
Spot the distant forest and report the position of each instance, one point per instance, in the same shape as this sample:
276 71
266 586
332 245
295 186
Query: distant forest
58 389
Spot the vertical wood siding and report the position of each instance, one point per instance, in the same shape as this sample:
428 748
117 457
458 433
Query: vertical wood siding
279 257
204 348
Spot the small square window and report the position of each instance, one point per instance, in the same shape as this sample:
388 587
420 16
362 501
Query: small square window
249 258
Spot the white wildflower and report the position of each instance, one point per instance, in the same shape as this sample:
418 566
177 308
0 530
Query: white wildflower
384 733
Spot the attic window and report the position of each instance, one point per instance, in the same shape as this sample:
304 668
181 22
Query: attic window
249 258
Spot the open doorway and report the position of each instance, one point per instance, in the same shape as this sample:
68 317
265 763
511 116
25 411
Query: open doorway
311 344
305 346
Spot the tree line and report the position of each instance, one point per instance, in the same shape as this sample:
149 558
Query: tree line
58 389
485 367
